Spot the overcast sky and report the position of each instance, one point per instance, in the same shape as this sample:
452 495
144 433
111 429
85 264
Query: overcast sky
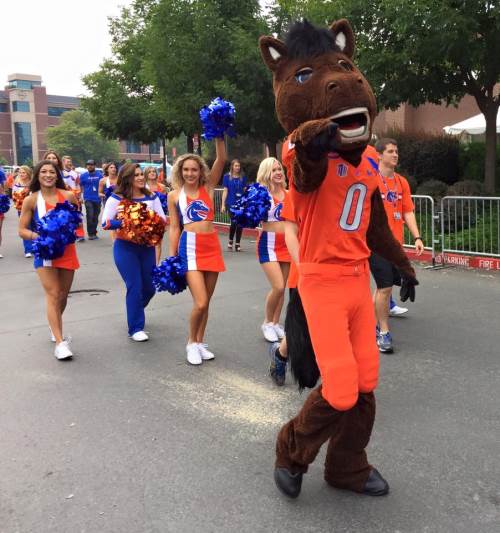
60 40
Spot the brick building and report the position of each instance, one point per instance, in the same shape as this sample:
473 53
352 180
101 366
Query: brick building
26 111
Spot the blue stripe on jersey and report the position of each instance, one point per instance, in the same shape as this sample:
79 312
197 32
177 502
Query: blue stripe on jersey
263 249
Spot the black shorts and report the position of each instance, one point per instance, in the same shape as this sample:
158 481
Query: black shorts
384 273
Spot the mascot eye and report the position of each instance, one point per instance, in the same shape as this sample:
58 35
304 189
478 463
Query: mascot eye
303 75
345 65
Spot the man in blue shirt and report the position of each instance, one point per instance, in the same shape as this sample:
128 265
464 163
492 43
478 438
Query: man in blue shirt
89 182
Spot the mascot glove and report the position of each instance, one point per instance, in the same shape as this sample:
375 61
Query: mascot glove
324 142
408 289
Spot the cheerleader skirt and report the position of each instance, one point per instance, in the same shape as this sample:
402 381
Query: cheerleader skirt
201 251
69 260
271 246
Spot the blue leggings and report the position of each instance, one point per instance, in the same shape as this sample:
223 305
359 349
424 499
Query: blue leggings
135 262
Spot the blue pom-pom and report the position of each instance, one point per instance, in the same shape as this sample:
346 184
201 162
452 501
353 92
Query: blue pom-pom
108 191
56 229
217 119
170 275
163 200
252 207
4 203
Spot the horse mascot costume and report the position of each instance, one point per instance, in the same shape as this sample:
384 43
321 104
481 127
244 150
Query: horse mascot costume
327 108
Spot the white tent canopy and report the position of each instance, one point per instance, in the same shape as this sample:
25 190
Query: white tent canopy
473 125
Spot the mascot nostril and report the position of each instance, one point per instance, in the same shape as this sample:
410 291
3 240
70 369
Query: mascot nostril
327 110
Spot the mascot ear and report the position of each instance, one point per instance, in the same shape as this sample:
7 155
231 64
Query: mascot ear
273 51
344 37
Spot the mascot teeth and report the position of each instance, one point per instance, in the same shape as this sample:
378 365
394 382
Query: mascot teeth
354 124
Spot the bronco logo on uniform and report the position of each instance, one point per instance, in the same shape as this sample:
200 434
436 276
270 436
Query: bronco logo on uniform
197 211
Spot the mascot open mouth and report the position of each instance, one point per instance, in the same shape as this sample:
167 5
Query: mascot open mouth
354 124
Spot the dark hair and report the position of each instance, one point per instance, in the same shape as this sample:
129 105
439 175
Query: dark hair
107 165
306 40
125 183
381 144
35 180
59 160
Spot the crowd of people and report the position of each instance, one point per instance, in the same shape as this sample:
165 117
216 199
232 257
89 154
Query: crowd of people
192 235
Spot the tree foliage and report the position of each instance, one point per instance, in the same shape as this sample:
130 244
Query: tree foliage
76 136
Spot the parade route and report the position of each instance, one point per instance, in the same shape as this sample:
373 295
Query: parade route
128 438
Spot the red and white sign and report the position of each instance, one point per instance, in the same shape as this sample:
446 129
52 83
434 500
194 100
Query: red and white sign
469 261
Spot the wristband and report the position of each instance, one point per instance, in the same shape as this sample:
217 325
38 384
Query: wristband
418 239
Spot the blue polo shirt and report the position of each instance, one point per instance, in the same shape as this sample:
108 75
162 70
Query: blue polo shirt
89 183
234 187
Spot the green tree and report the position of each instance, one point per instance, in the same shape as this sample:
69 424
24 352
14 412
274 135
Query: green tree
76 135
419 51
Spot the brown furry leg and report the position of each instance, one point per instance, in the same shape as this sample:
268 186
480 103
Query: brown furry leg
301 438
346 465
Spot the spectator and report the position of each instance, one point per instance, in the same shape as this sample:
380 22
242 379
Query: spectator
72 182
3 179
234 182
399 208
90 185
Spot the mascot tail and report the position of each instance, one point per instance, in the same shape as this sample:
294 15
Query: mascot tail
300 351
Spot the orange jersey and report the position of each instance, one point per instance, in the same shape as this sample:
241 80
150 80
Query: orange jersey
334 219
287 214
396 195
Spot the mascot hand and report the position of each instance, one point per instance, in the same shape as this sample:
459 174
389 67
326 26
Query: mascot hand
316 137
408 289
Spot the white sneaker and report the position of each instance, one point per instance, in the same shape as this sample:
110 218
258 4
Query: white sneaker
1 256
28 254
269 332
278 328
206 355
193 353
140 336
397 311
62 351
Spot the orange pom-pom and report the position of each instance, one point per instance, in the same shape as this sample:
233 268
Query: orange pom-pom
18 198
139 224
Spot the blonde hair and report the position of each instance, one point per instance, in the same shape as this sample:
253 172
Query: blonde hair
178 180
265 171
27 170
147 170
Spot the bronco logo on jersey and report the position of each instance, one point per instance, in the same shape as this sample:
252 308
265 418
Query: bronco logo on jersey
197 211
342 170
277 211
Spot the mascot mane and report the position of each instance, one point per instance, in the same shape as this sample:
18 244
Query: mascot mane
306 40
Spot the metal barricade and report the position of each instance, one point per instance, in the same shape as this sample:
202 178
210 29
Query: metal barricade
220 218
427 218
470 225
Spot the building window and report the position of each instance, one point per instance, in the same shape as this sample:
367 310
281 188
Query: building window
133 147
154 148
24 144
58 111
21 106
24 84
4 107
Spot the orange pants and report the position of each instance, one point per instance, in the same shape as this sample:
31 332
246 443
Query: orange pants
341 320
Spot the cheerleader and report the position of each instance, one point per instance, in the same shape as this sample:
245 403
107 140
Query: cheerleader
107 184
153 184
192 236
133 261
21 189
3 179
56 276
271 247
72 182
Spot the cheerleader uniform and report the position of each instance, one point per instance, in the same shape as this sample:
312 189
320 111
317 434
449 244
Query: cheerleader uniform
69 260
17 191
133 261
271 245
199 251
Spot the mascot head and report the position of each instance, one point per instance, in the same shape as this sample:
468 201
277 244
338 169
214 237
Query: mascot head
314 78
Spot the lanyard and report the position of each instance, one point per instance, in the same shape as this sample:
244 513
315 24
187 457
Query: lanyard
391 195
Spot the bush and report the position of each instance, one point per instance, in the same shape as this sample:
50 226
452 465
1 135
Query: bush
466 188
435 188
471 160
427 156
412 182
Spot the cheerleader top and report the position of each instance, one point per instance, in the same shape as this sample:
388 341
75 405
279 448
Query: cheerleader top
19 187
274 213
195 209
111 207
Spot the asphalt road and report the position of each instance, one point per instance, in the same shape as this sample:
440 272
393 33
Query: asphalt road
129 438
